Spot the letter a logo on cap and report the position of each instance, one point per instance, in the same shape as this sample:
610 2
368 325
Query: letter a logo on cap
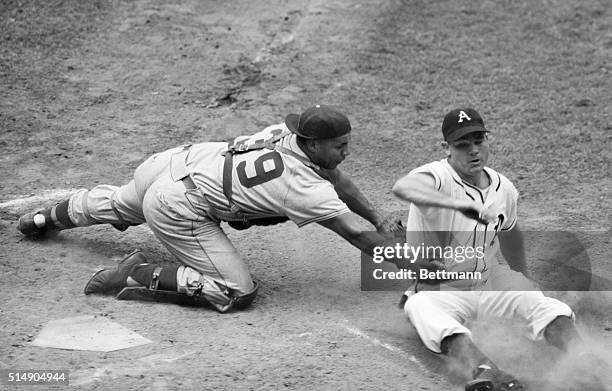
462 115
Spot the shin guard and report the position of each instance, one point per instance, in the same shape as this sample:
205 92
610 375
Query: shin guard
184 286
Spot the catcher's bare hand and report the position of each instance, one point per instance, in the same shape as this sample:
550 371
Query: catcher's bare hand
391 225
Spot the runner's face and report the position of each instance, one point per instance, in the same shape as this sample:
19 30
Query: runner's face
469 154
331 152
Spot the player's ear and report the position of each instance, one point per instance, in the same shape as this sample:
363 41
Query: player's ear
313 145
444 146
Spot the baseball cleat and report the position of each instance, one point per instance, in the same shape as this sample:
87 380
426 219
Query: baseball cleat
34 223
479 385
493 379
107 281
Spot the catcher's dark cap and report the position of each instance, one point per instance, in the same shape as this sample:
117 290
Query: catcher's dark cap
319 122
459 122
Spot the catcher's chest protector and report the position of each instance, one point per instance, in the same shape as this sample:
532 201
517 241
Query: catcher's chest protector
256 142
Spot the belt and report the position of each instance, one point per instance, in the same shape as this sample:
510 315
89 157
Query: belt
188 182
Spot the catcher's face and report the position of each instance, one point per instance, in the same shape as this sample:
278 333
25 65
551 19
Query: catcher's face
329 153
469 154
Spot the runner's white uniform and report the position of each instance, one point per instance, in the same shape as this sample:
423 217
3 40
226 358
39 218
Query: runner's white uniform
439 310
266 183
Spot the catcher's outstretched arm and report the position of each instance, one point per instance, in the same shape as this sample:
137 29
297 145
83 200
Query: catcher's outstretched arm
347 225
353 197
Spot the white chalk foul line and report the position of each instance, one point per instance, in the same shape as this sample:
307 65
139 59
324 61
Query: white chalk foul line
142 365
390 347
42 199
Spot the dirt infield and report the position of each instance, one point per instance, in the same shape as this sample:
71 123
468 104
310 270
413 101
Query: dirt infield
91 88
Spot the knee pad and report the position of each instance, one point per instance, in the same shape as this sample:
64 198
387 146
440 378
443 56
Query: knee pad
191 282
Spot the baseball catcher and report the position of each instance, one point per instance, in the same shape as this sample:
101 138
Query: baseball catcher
285 172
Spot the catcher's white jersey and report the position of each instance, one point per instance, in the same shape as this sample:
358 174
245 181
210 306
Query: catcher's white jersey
265 182
454 229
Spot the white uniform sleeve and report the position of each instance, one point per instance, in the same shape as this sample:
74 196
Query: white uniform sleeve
313 201
430 213
437 171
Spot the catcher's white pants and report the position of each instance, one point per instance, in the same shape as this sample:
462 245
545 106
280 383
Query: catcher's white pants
180 218
439 314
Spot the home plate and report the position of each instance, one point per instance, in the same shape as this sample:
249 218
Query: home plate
88 332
